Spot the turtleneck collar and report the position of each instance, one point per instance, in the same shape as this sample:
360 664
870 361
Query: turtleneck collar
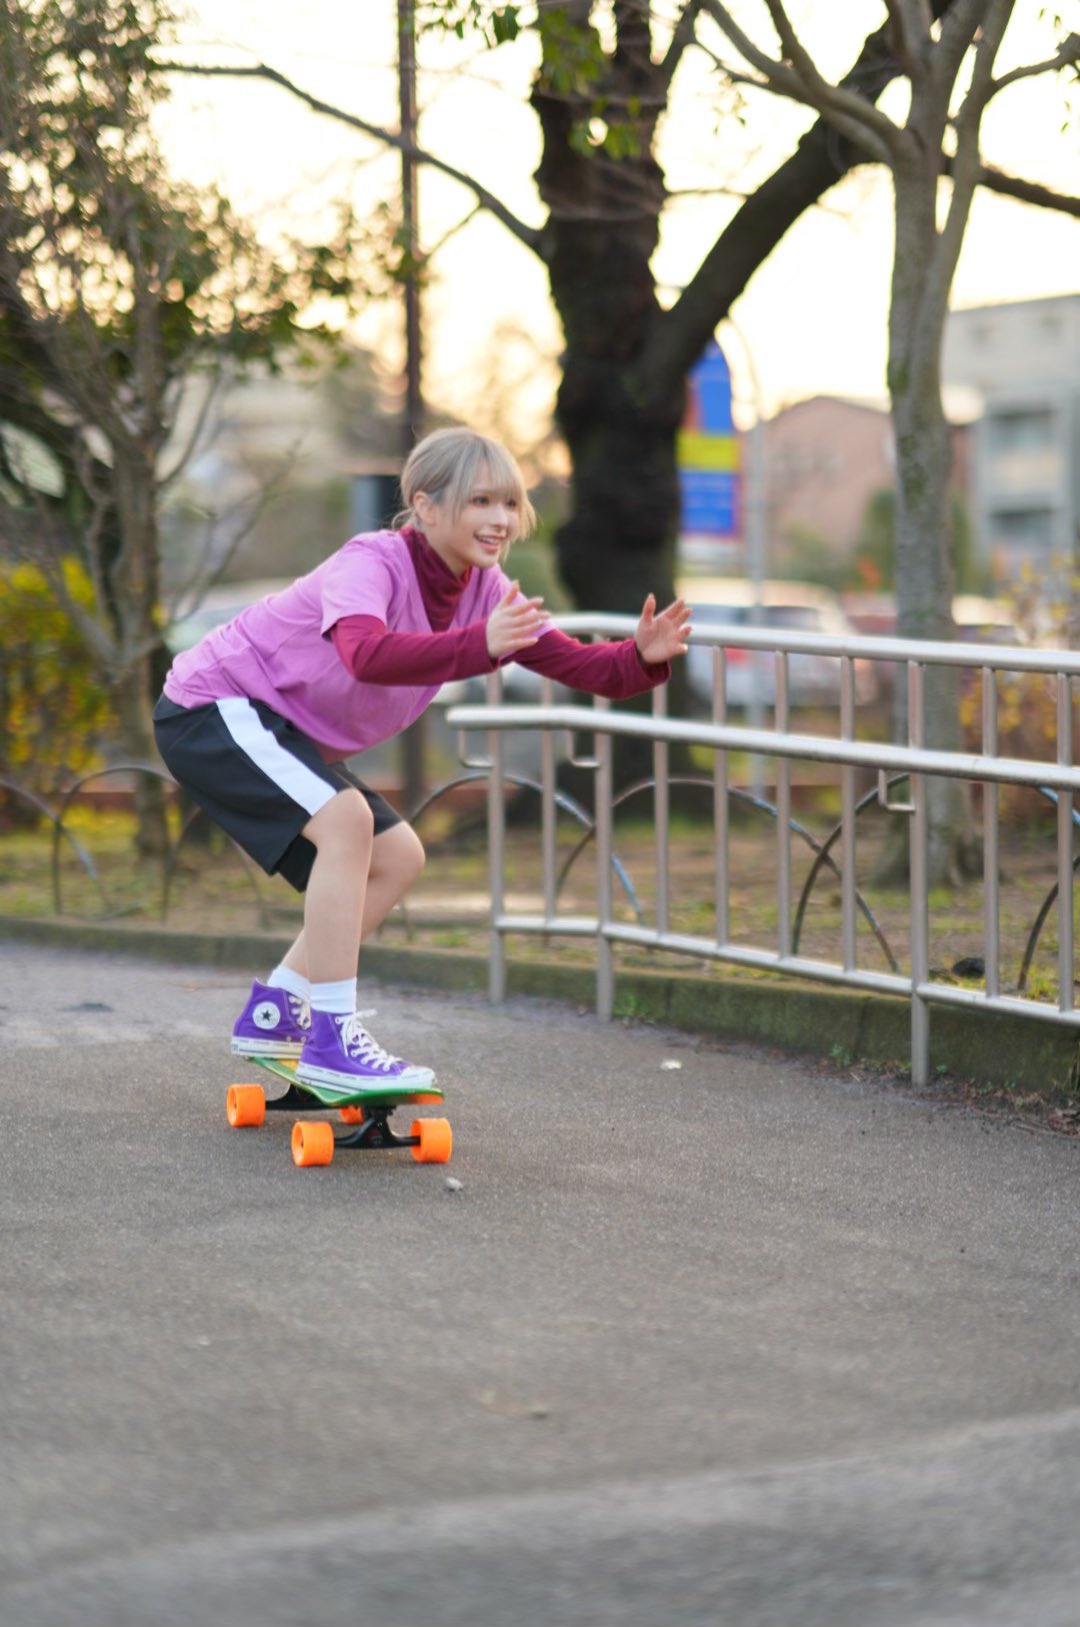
440 589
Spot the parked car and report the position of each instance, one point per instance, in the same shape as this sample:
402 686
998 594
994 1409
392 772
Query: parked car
719 601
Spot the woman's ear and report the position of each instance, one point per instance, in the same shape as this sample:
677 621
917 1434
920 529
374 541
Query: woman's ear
423 507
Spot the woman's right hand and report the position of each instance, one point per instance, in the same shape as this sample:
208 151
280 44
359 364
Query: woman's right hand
514 623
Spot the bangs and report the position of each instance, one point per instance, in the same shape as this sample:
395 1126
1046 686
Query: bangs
491 470
488 467
452 465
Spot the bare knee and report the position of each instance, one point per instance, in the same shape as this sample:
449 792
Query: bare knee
399 854
416 856
344 825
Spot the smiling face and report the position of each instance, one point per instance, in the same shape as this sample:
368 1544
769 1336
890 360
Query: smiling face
482 530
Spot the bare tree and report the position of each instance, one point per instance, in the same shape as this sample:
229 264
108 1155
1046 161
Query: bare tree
929 233
117 285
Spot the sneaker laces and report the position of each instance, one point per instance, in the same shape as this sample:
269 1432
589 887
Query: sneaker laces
299 1010
360 1045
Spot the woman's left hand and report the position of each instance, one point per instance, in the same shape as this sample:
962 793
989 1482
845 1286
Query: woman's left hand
659 637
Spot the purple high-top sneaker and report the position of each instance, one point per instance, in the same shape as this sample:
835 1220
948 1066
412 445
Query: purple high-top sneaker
275 1022
340 1057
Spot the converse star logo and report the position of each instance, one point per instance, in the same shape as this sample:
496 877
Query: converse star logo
266 1015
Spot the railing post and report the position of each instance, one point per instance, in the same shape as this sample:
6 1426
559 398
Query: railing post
847 820
496 810
605 953
918 882
547 806
661 811
721 825
991 863
783 812
1065 847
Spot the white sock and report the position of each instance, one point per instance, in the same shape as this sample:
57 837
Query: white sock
340 998
283 977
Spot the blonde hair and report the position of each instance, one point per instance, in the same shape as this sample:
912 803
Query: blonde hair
448 465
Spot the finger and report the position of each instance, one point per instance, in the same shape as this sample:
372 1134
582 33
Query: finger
511 594
648 609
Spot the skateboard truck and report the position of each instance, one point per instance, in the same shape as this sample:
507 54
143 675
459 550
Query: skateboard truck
373 1128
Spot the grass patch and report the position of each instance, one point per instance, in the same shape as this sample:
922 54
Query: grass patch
214 889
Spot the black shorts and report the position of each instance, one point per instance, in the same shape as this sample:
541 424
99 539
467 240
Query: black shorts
257 777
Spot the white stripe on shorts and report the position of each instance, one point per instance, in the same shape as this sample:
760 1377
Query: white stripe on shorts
267 753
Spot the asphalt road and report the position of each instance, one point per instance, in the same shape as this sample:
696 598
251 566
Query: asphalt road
737 1342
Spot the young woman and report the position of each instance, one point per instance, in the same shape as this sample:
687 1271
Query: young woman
257 719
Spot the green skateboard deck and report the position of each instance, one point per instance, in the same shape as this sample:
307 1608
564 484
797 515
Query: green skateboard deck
286 1069
367 1112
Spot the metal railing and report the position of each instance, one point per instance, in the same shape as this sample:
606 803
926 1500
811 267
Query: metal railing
915 761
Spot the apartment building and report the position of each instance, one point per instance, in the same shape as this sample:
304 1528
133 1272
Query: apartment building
1022 363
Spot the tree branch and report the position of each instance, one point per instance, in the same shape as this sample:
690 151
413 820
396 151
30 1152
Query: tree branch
860 121
1067 55
958 30
1014 186
819 161
681 39
524 234
967 160
910 24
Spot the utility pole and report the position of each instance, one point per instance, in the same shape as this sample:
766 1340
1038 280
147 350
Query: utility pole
414 406
412 741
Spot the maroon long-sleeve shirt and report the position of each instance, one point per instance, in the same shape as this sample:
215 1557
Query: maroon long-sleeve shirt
375 655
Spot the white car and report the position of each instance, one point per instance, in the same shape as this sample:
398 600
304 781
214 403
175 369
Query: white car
814 680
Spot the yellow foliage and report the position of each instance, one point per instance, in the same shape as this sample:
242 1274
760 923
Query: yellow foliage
1044 611
53 704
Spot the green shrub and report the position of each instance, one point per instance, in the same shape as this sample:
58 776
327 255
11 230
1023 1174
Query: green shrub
54 707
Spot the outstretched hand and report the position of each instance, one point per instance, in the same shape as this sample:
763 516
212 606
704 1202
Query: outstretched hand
515 623
659 637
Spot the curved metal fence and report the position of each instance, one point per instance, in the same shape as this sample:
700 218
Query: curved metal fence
1053 776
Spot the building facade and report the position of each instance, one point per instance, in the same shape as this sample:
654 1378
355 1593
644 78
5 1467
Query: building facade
1022 362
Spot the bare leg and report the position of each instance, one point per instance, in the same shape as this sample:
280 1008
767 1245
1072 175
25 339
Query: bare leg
397 858
341 833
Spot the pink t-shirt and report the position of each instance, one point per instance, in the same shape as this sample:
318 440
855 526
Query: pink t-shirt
279 650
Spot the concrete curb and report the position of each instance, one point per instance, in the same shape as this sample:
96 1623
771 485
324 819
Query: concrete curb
840 1024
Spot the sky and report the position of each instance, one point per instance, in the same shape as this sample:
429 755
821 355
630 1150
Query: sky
814 318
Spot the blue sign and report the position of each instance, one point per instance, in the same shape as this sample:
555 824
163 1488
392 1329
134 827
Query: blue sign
709 501
710 392
710 453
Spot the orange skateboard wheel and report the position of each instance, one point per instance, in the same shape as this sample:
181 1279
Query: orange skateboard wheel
312 1145
436 1141
351 1115
427 1096
245 1105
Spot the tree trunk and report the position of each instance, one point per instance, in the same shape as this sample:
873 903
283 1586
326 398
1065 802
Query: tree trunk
134 710
618 545
923 536
133 589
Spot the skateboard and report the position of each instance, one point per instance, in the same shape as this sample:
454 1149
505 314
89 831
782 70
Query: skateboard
367 1112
